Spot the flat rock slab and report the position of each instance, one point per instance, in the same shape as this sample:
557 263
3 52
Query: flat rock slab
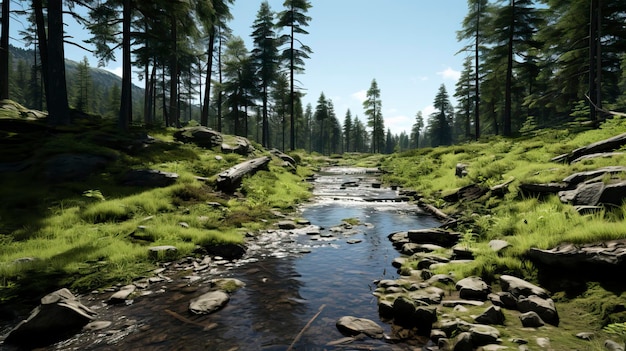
209 302
353 326
517 287
435 236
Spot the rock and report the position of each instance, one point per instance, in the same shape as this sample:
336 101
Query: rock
492 315
385 308
467 193
597 155
435 236
407 313
201 136
242 146
440 278
209 302
72 167
473 288
228 285
586 336
149 178
614 194
463 342
286 225
229 251
498 245
59 316
543 342
462 252
531 320
97 325
611 345
452 303
484 335
503 299
461 170
588 194
543 307
580 177
605 257
517 287
283 156
122 294
353 326
609 144
163 252
437 334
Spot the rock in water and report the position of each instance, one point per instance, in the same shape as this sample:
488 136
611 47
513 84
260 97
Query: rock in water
353 326
59 316
209 302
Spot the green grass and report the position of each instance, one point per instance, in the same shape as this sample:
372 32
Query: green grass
92 233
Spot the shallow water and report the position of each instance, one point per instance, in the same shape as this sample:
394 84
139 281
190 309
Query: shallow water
289 278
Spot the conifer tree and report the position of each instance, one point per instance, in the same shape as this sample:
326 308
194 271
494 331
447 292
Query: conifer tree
347 130
373 111
294 18
265 58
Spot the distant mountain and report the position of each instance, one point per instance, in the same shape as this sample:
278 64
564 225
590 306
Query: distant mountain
101 77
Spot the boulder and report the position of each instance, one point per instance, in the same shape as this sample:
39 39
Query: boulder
608 256
461 170
492 315
149 178
543 307
531 320
229 251
201 136
287 225
614 194
407 312
239 145
517 287
162 252
353 326
503 299
473 288
483 335
463 342
59 316
498 245
580 177
435 236
611 345
209 302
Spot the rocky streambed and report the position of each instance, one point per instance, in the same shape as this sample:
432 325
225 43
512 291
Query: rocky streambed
330 277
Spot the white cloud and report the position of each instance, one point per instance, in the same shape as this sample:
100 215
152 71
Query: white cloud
117 70
398 124
450 74
360 95
427 111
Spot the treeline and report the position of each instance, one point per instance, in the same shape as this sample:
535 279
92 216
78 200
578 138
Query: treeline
529 65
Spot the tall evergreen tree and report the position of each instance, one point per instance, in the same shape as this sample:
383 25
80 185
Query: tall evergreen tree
440 120
416 130
473 30
294 18
373 111
465 96
347 130
265 57
58 108
321 115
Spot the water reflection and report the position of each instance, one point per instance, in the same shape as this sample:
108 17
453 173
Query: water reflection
284 288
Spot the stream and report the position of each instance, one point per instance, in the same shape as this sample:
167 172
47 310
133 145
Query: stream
292 278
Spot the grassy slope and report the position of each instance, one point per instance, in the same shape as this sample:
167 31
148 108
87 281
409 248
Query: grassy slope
84 235
523 222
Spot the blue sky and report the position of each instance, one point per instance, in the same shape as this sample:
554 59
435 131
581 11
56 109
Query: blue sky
408 46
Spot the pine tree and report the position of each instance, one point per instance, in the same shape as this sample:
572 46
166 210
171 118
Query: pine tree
417 129
4 51
321 115
465 96
294 18
347 130
373 111
265 58
83 87
440 120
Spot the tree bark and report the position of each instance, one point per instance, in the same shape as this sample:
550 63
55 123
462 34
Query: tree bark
42 40
58 108
230 179
173 115
126 111
204 119
4 51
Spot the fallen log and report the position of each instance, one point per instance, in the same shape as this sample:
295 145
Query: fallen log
433 210
230 179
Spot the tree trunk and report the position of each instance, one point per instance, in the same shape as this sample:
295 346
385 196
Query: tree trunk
477 77
173 115
126 103
508 104
230 179
4 51
58 108
219 93
291 101
42 40
204 119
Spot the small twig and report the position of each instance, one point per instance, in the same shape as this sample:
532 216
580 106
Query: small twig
189 321
305 328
